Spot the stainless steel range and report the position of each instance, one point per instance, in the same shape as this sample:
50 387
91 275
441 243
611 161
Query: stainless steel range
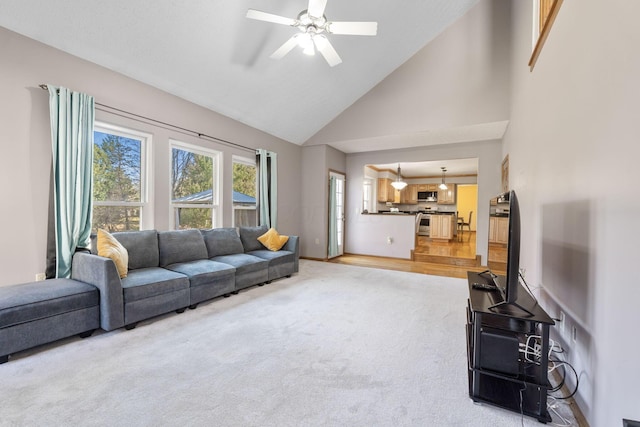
423 228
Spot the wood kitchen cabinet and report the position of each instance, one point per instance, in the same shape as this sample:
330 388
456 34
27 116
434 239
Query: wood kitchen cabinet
385 190
498 229
441 227
448 196
409 195
427 187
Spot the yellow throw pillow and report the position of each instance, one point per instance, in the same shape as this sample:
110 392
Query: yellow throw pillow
109 247
272 240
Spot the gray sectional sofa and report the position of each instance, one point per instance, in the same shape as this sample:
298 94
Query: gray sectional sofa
172 270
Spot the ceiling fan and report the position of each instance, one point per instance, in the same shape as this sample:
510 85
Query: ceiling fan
313 25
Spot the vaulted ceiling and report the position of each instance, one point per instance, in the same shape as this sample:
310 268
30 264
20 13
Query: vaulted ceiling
209 53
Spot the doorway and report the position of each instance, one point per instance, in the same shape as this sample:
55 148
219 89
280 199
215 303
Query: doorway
336 214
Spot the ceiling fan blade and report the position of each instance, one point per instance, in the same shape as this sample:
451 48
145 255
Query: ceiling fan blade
326 49
285 48
353 28
316 8
270 17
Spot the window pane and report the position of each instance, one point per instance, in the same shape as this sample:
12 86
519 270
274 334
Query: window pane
245 217
116 218
244 195
191 177
116 168
193 218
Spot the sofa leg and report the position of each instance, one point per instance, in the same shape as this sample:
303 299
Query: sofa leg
235 292
287 276
86 334
130 326
4 359
262 284
181 310
226 295
268 282
193 306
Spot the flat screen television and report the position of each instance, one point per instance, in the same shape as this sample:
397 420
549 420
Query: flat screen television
503 254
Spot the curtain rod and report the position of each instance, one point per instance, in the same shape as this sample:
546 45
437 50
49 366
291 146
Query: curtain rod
138 117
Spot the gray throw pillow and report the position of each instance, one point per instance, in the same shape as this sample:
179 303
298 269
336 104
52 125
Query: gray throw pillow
142 247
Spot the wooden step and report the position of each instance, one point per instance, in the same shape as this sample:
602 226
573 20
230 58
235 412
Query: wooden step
447 260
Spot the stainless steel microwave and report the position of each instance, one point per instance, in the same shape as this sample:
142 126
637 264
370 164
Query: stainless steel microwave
427 196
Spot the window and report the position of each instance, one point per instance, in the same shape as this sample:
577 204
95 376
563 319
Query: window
367 195
194 187
544 14
244 192
120 199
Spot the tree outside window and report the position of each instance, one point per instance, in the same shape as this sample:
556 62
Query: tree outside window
118 180
194 195
244 192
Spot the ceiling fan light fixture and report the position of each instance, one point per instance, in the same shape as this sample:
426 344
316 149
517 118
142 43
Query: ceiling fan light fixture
398 184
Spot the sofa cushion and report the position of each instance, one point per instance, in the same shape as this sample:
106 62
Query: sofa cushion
274 258
202 271
149 282
249 237
181 246
38 300
222 241
142 247
243 263
272 240
109 247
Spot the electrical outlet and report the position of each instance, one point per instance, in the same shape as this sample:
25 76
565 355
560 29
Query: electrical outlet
40 277
574 334
389 240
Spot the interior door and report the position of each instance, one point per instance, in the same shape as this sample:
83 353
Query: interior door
336 214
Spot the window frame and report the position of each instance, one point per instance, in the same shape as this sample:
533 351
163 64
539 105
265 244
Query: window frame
216 204
249 162
146 179
540 33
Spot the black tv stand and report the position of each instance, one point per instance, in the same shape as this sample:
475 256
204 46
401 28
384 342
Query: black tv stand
499 373
505 305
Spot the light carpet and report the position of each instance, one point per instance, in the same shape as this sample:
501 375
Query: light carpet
334 345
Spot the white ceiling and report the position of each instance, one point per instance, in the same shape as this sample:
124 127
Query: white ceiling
209 53
432 169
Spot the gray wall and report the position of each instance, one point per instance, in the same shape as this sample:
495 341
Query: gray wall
573 151
316 163
460 78
25 145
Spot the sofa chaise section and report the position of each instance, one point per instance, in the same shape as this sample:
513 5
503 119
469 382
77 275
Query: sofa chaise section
37 313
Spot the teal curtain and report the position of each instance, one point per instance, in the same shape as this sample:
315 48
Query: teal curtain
333 218
72 119
267 187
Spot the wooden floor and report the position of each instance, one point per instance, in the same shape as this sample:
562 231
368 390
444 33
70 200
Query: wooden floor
451 259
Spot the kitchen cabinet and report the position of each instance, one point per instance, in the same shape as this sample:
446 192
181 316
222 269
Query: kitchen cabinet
409 195
386 192
427 187
448 196
498 229
441 227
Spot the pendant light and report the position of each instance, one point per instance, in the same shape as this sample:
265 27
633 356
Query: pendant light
442 185
399 184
